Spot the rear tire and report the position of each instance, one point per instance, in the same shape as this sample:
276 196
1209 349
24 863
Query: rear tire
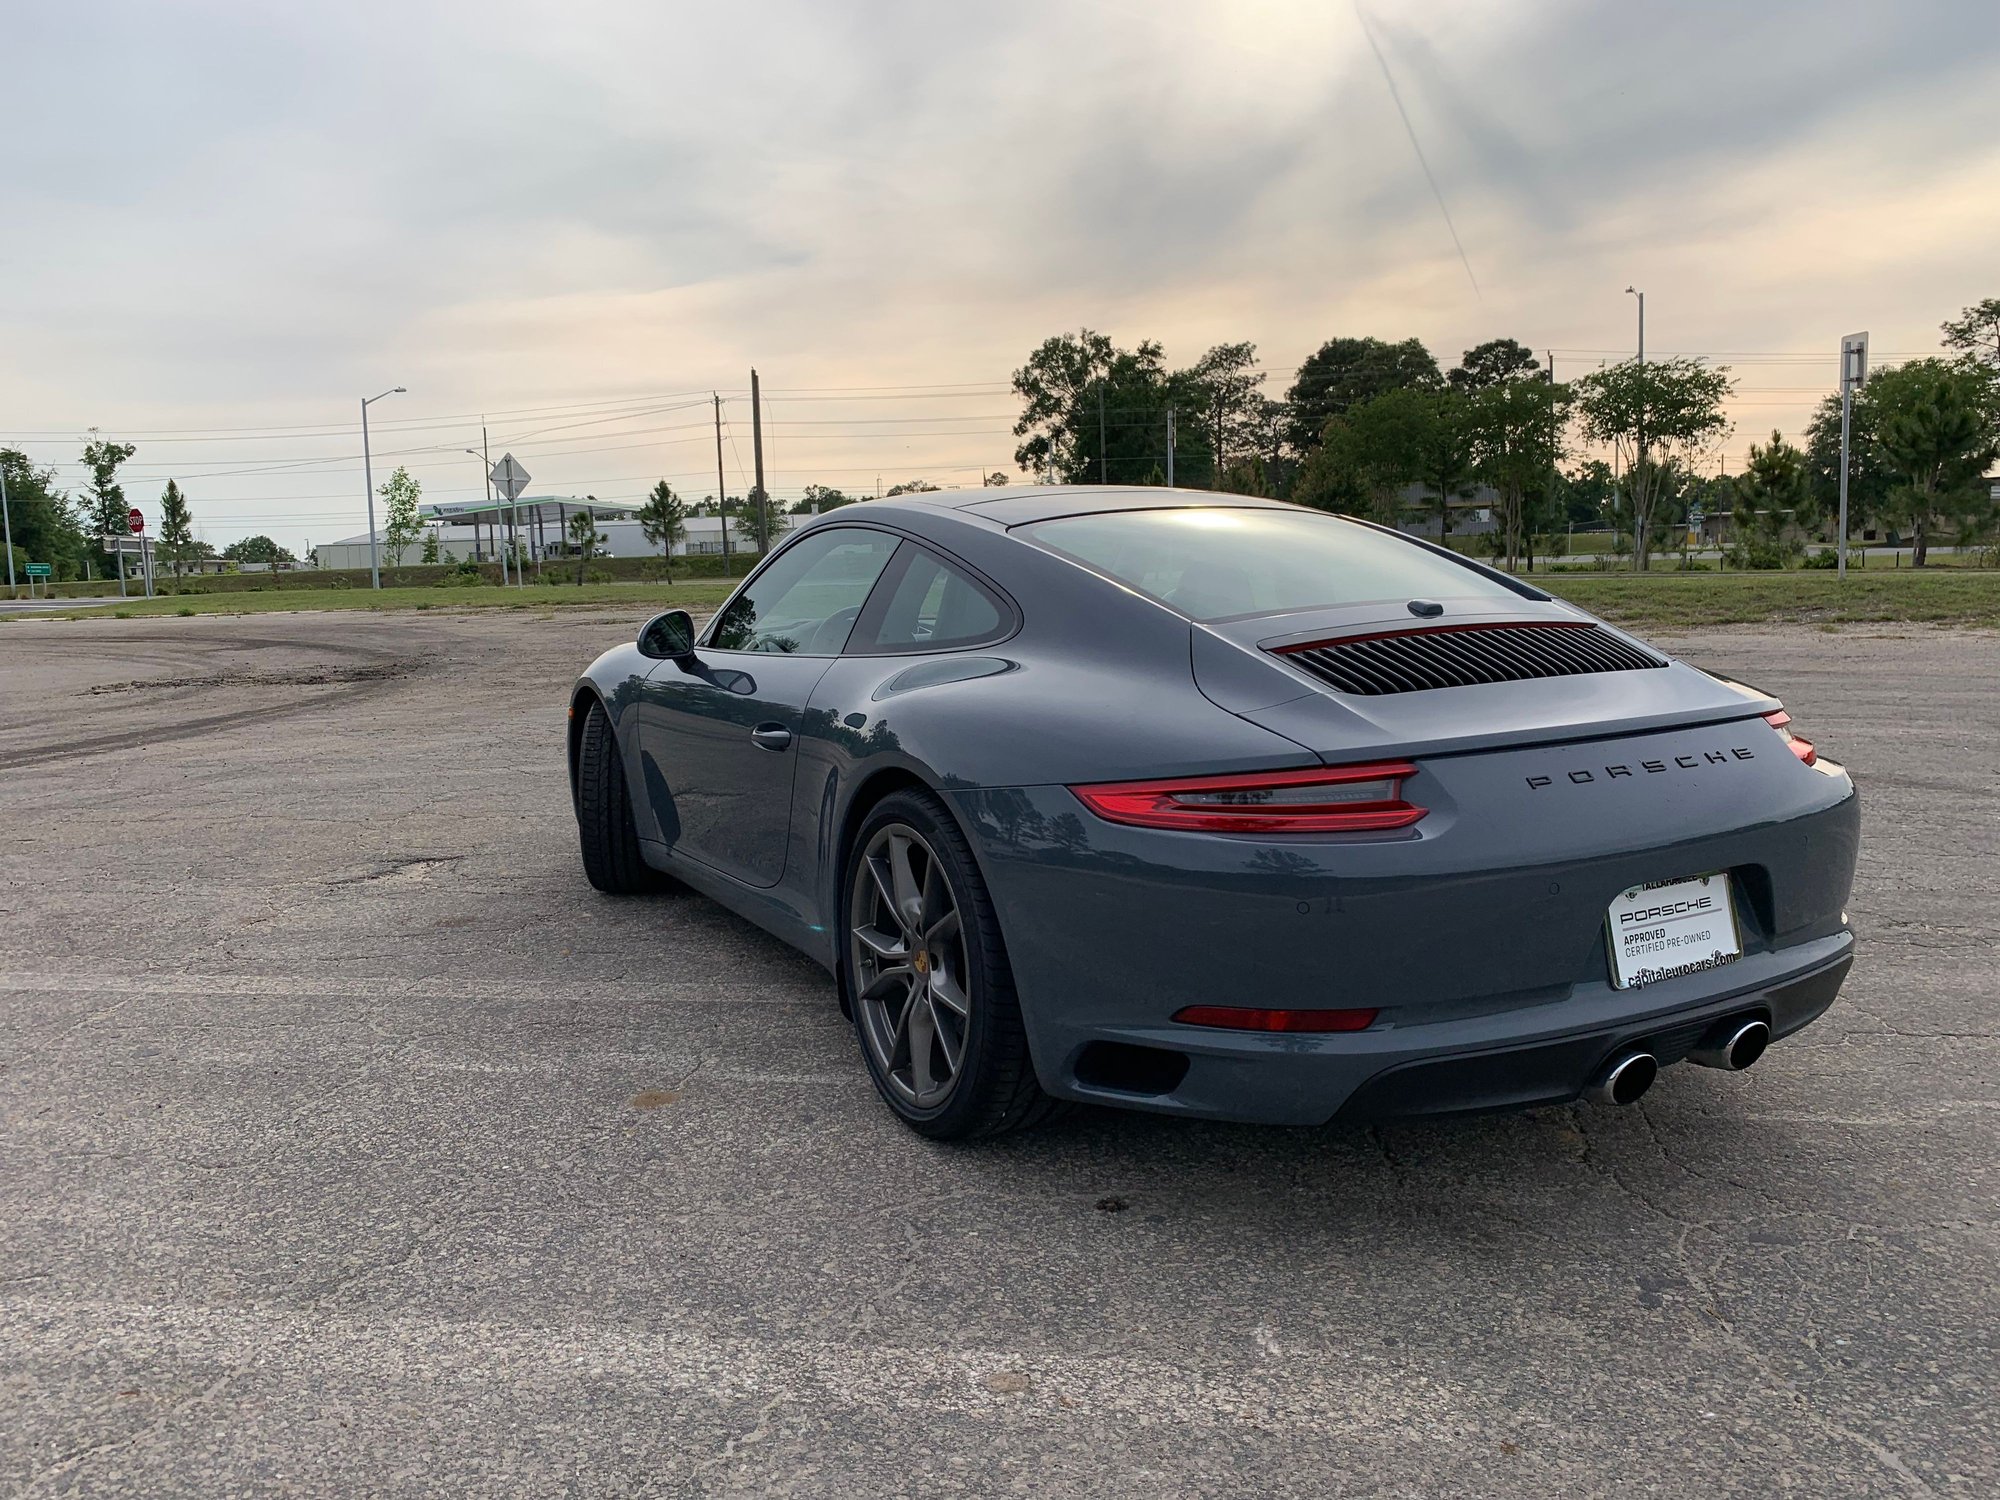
926 978
610 841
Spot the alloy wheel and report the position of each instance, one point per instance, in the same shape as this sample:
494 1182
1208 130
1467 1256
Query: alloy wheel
906 943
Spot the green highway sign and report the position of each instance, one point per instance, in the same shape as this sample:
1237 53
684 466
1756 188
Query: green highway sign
38 570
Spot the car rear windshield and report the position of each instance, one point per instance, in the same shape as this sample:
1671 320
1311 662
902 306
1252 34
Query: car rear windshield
1213 562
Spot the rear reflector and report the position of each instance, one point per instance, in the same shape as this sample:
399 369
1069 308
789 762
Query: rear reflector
1322 799
1238 1018
1800 746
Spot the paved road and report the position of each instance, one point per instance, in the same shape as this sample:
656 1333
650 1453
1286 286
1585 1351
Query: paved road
353 1146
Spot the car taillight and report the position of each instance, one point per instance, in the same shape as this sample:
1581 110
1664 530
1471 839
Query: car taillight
1240 1018
1800 746
1322 799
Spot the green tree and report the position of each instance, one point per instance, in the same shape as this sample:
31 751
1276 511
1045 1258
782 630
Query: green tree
585 538
663 518
1975 333
818 499
433 549
1932 420
104 496
995 480
1448 457
1870 477
1515 425
913 487
45 524
1667 410
1492 363
1342 373
257 549
402 524
1063 378
1772 499
1091 411
1369 456
176 528
1228 383
1589 494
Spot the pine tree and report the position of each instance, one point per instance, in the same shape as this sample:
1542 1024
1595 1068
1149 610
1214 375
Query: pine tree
663 519
176 527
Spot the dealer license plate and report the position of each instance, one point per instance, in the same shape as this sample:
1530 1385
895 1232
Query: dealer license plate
1672 927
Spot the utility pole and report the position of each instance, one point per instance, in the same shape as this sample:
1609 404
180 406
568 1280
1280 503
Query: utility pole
1170 447
1103 449
721 487
1639 446
1853 370
757 458
7 517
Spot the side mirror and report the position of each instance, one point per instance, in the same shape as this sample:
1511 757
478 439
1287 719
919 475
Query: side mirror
668 637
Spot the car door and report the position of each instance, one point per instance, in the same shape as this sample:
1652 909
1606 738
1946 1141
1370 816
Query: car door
718 728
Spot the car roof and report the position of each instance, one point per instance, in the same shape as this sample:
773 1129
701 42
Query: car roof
1011 506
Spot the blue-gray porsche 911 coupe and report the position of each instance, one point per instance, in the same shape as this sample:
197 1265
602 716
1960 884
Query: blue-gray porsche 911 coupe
1219 807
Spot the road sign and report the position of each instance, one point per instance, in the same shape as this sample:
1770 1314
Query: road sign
38 570
135 521
509 478
1854 358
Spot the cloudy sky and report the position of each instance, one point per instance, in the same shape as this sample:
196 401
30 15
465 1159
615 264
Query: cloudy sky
225 222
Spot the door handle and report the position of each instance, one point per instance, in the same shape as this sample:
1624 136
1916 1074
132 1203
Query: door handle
771 737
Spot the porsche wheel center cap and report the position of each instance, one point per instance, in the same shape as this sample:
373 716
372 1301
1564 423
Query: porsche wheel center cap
922 962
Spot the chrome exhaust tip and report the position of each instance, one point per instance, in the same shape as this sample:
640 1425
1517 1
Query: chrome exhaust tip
1626 1080
1732 1046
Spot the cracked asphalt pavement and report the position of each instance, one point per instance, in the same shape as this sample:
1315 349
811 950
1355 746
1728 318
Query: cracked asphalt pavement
353 1145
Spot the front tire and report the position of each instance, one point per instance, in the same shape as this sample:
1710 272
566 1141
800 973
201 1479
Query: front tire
610 841
928 981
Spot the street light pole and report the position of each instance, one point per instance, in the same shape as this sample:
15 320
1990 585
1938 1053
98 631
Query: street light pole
481 456
368 480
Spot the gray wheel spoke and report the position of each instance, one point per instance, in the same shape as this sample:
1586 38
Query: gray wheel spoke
908 899
943 930
954 1051
922 1029
879 987
890 949
880 876
946 992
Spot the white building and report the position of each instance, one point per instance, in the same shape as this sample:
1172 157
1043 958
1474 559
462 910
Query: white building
477 532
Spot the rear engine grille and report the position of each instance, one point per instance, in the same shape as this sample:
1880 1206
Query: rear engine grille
1461 655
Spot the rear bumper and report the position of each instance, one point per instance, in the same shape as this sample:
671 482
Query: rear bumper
1520 1059
1480 941
1559 1070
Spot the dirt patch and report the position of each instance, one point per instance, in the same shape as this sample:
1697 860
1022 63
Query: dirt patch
302 677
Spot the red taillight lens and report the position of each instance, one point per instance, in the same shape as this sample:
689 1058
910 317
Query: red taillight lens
1800 746
1239 1018
1323 799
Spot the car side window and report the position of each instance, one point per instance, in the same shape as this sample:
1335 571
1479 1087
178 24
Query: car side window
806 602
926 604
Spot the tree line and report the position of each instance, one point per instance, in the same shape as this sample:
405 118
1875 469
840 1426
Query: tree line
1379 429
50 525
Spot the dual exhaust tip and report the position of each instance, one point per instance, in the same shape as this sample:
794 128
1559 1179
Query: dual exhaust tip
1731 1046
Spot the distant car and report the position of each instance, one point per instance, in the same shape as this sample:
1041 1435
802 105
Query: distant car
1219 807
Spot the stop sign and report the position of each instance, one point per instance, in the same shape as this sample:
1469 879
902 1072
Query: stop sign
135 522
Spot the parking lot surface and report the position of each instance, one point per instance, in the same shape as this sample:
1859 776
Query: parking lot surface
353 1145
